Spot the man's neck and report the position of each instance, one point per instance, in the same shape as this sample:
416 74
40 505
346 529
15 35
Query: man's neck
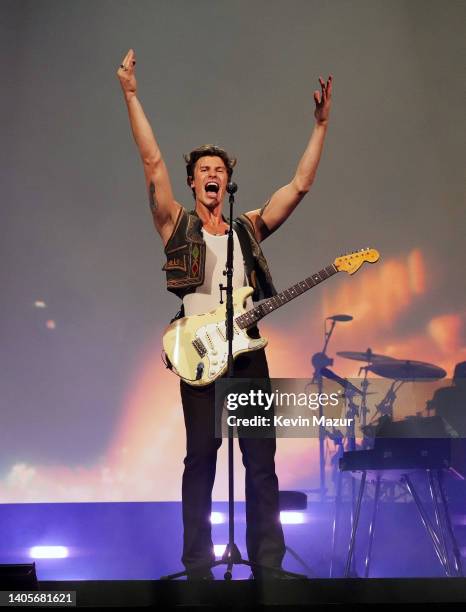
212 217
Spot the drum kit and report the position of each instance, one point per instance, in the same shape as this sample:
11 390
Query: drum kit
399 371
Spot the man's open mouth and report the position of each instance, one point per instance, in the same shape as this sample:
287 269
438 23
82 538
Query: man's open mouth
212 186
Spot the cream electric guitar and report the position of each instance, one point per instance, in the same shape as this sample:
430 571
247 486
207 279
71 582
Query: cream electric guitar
197 347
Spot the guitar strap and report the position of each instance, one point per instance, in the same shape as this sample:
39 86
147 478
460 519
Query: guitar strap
179 314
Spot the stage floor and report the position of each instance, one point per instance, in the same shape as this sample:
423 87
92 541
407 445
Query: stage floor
143 541
241 594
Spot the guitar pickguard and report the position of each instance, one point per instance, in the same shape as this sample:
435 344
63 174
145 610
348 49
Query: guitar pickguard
213 340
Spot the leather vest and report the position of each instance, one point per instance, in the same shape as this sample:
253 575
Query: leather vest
186 251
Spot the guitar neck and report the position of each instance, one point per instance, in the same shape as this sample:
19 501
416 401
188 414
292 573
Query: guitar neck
250 317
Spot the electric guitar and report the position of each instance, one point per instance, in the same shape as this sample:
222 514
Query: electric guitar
197 346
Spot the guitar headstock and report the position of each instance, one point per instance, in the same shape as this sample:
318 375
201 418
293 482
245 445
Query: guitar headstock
351 262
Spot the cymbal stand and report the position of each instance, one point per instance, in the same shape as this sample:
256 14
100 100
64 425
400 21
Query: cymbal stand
385 407
319 361
352 412
363 409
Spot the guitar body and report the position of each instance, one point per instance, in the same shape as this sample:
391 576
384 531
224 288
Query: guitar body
197 346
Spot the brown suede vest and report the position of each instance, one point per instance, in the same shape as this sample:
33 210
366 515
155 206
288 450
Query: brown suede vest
186 250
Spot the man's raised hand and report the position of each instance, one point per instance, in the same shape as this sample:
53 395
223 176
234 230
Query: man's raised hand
126 74
323 100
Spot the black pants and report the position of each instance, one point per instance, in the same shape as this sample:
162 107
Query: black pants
264 534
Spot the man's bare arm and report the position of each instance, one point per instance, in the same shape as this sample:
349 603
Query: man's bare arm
282 203
161 200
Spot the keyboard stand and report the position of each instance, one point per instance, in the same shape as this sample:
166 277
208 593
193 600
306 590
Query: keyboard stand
440 532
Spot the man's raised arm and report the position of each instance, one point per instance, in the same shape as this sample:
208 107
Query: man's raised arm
282 203
162 203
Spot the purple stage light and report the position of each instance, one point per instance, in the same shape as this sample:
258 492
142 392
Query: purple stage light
48 552
219 549
216 518
292 518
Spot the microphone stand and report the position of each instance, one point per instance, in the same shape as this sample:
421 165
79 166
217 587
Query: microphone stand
232 555
319 361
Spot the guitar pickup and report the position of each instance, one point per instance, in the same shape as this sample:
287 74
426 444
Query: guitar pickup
221 329
199 346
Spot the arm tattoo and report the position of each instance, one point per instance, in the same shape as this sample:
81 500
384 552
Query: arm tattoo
264 207
152 199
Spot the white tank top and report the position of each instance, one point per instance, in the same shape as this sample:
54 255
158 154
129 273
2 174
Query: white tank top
207 295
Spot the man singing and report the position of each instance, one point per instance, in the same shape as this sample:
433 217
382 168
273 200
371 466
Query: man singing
195 245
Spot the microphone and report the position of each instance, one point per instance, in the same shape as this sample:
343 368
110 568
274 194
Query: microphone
340 317
232 188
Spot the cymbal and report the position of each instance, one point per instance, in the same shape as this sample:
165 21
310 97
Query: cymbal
407 370
366 356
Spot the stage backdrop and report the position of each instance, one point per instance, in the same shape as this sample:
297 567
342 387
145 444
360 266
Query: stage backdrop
88 411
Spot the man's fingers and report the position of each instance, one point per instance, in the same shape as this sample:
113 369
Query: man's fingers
329 86
317 96
326 87
128 61
322 86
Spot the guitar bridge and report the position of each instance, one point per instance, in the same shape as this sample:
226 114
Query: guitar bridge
199 346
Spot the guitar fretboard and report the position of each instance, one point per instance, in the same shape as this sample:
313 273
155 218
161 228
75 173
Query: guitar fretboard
250 317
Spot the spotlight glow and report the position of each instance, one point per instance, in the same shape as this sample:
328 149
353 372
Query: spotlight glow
216 518
292 518
219 549
48 552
